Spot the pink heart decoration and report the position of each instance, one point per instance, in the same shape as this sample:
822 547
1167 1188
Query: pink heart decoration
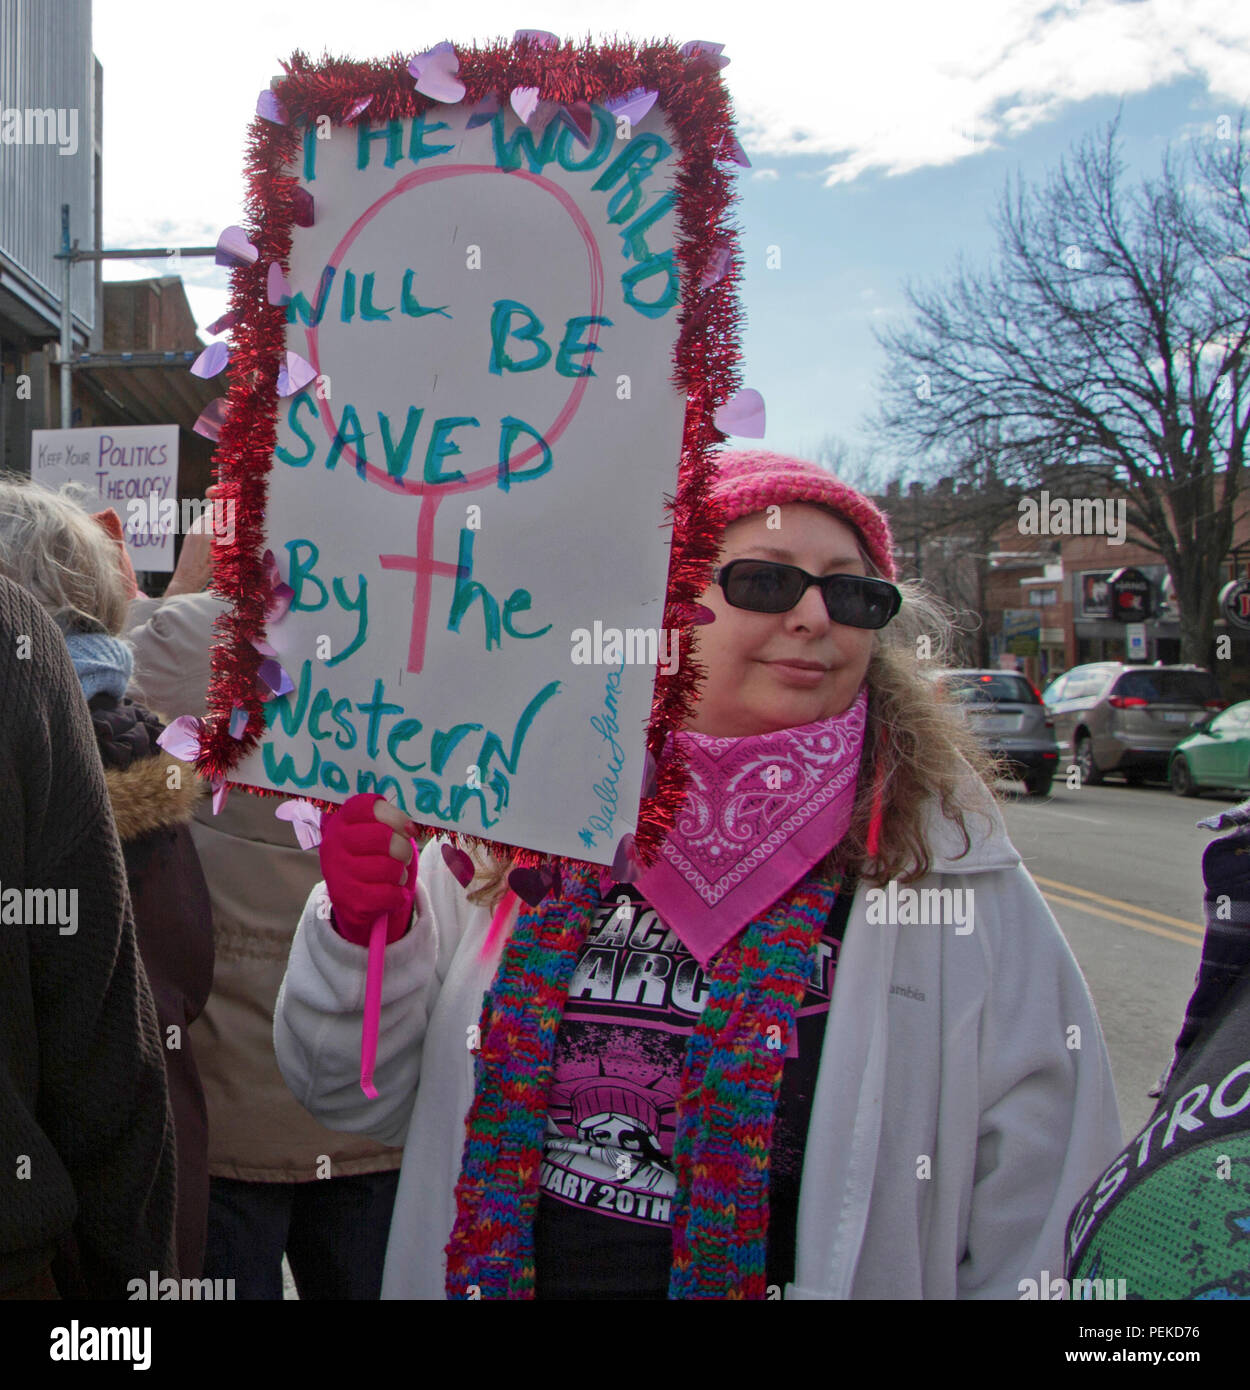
735 153
633 105
460 865
540 38
718 264
181 739
278 287
281 602
742 415
698 614
625 866
524 102
305 818
295 374
357 106
269 108
233 248
435 71
710 53
211 361
212 418
275 678
531 884
227 320
219 794
302 208
579 120
649 770
262 646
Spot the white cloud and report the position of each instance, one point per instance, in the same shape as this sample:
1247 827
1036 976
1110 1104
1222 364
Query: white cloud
896 86
766 175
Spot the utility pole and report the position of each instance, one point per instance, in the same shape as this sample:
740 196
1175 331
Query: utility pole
67 320
70 256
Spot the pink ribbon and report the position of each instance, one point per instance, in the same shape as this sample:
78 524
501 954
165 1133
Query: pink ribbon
498 924
373 995
373 1005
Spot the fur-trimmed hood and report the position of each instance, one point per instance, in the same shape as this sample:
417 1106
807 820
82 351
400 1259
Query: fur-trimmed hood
139 772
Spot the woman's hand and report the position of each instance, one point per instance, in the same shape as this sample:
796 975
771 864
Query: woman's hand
369 866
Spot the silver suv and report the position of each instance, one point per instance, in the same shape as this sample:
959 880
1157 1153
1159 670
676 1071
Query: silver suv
1127 719
1008 717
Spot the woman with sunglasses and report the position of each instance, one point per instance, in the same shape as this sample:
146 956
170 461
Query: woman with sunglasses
831 1044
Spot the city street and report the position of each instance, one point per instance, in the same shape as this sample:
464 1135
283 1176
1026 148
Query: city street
1121 868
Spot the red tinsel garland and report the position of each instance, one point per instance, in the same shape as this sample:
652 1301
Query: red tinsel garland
696 104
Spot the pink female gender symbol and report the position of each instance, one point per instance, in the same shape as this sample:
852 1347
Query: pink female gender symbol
422 563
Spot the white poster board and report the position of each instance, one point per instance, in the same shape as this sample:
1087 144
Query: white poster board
131 468
468 501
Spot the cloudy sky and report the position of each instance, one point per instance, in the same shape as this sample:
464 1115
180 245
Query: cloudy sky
880 137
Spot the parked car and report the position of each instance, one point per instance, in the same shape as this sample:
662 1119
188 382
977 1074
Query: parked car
1128 719
1008 716
1216 754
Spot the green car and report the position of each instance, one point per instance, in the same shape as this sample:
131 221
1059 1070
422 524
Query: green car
1216 754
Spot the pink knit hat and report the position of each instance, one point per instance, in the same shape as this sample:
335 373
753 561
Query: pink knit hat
748 480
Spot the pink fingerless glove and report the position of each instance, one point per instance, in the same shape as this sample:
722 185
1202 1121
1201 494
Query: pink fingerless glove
361 877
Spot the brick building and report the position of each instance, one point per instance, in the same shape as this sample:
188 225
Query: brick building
1042 600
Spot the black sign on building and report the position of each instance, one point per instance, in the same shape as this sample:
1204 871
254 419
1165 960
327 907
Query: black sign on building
1130 596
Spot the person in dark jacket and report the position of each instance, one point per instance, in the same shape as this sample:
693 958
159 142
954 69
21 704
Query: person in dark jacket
279 1182
87 1186
1170 1218
53 548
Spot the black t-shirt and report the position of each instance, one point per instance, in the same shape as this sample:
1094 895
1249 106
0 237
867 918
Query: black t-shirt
1171 1216
603 1226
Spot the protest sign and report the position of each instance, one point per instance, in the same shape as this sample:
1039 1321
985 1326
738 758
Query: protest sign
472 313
131 468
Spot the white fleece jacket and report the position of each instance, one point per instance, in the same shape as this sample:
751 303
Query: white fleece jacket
963 1104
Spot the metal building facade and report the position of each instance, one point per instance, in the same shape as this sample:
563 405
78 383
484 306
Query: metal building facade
46 66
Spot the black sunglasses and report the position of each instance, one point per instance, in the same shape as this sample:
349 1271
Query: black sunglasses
764 586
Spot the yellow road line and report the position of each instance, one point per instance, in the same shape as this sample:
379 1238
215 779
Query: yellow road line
1117 917
1121 904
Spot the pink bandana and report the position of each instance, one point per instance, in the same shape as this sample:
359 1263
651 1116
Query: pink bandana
760 812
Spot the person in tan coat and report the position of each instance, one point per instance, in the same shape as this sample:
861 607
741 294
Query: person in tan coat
279 1180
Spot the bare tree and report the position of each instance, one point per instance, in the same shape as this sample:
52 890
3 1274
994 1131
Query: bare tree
1110 337
863 467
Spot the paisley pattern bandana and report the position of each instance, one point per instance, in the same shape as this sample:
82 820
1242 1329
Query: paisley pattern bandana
761 811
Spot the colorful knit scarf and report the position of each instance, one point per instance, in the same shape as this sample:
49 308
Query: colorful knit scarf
729 1087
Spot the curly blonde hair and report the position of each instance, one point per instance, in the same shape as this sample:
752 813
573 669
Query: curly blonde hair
917 742
51 546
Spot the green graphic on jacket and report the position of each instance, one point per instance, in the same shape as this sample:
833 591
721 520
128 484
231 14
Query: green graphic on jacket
1183 1231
